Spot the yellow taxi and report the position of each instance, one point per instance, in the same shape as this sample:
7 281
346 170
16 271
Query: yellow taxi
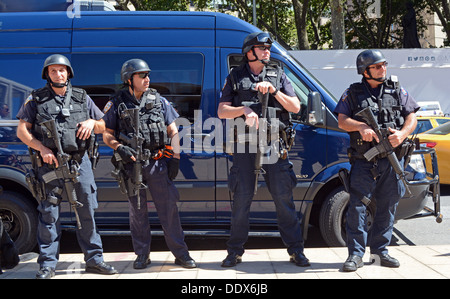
425 123
439 139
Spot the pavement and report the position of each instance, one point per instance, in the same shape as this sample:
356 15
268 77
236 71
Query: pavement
417 262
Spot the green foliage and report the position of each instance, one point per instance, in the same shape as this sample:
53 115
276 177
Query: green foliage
277 17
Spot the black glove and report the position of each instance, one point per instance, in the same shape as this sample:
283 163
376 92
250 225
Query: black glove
173 165
126 153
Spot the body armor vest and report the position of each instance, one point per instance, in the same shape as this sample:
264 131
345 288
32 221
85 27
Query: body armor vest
151 118
243 81
67 114
386 109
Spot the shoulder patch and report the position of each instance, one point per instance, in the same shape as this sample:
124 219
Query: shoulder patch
224 84
107 107
404 92
30 98
345 95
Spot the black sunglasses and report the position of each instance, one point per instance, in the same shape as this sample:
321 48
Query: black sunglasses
143 75
263 48
378 66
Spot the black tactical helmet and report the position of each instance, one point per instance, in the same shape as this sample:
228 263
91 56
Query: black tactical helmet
133 66
256 38
56 59
368 57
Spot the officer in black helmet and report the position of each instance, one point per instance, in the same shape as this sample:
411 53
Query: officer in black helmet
239 99
77 118
374 180
159 160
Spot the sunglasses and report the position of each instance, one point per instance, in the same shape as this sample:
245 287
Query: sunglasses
142 75
263 48
379 66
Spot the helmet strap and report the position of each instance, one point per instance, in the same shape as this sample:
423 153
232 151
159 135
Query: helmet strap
380 79
57 85
263 61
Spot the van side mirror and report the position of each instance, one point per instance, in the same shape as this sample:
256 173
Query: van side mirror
314 109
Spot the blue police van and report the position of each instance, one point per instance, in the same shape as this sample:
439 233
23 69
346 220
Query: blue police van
190 55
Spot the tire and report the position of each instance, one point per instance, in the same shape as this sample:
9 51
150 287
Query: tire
19 217
332 220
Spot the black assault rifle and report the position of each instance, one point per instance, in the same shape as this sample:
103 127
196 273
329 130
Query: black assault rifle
263 99
383 147
136 142
68 169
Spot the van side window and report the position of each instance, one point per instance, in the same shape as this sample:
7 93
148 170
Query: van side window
12 96
176 76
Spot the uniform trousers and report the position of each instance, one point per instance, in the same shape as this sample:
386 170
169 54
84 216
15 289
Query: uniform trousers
49 227
386 190
165 197
280 179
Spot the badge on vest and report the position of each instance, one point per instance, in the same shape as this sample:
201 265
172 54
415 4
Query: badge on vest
271 74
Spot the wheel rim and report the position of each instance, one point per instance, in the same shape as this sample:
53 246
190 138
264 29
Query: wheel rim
10 223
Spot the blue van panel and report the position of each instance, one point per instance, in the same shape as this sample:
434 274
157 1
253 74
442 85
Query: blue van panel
120 30
230 29
31 30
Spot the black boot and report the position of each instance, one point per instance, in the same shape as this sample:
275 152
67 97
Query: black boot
141 261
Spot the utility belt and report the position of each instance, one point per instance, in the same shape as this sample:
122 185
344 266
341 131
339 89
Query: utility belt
122 171
403 150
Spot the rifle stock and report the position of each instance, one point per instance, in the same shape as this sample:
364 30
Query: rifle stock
384 146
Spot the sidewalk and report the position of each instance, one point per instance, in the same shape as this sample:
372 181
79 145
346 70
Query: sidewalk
416 262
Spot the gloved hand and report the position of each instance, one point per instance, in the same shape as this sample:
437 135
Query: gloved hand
126 153
173 165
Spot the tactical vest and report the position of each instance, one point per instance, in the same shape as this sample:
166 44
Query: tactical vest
67 114
242 81
152 126
386 109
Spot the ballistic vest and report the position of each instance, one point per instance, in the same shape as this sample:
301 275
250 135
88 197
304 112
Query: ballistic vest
152 126
67 113
242 81
386 109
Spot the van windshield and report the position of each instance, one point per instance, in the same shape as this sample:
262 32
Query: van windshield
300 66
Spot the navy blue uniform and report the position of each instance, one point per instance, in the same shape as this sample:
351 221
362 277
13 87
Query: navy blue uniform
163 192
49 229
280 179
386 189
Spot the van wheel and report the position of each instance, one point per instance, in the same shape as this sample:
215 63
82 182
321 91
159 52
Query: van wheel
20 220
333 217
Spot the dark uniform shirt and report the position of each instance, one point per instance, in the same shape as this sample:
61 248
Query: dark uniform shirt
227 93
407 102
28 110
110 111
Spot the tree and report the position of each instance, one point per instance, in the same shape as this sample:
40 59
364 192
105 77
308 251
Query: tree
442 9
384 31
337 24
181 5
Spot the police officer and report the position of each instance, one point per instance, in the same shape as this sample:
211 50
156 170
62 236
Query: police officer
258 74
76 117
159 162
375 180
